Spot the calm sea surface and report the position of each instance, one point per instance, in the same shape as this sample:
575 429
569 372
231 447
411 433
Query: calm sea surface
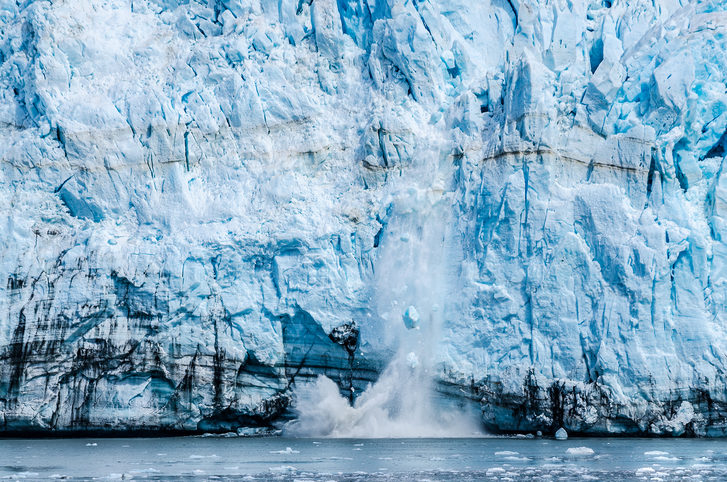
279 458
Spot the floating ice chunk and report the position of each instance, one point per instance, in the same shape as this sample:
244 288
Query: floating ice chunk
495 471
283 468
652 453
561 434
580 451
287 451
506 452
411 318
662 458
91 445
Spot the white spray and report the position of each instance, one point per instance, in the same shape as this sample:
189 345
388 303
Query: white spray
413 291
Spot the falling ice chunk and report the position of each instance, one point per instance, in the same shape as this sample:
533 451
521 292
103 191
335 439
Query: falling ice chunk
412 360
411 318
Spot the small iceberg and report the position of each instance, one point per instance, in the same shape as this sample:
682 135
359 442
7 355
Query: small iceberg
580 451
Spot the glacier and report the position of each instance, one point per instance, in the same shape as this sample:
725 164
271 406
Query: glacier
206 203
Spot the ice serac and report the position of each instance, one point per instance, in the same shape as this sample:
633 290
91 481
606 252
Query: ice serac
202 201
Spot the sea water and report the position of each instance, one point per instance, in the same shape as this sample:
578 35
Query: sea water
282 458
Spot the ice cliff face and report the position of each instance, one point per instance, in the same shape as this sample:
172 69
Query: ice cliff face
204 201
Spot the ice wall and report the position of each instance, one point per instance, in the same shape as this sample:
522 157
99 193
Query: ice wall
199 198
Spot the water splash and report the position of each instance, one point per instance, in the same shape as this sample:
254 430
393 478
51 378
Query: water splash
414 294
393 407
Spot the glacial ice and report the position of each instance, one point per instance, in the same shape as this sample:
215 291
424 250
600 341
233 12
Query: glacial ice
207 203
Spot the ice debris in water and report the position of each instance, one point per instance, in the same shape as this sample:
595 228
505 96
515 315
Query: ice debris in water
286 451
283 468
655 452
561 434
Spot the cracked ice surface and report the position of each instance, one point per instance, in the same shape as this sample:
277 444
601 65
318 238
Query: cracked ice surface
195 194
